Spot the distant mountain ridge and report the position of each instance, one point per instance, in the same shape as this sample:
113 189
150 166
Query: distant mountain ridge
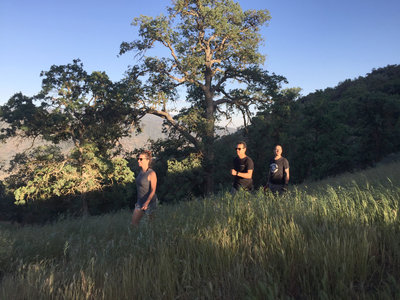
151 129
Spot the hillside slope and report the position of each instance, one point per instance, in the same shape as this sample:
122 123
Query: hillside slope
337 239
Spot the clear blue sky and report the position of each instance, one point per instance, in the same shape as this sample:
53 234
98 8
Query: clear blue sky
315 44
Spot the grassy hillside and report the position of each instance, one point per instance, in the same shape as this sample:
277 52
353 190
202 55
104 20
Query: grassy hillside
333 239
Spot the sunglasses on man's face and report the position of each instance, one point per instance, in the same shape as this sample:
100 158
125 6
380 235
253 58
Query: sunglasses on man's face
140 158
239 149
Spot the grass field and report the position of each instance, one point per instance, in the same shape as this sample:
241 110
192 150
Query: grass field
334 239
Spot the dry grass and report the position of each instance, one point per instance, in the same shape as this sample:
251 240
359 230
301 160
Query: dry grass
338 239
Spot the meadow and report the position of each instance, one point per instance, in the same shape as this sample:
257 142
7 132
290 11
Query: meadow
334 239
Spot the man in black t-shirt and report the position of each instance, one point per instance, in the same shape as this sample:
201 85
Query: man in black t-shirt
242 170
278 175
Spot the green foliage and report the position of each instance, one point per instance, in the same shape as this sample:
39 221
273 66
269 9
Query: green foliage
86 109
323 134
176 167
183 181
52 175
213 53
269 128
333 240
74 105
7 208
351 126
223 23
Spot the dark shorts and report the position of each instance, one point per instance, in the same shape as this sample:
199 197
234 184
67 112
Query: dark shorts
235 190
150 209
276 188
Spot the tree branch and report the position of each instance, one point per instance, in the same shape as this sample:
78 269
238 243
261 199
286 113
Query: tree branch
166 116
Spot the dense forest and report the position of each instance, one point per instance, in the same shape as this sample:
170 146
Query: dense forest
348 127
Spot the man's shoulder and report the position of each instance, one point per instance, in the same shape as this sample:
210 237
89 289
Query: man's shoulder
248 158
279 160
282 158
249 162
285 162
150 171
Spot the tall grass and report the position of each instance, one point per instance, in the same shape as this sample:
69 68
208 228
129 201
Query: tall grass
335 239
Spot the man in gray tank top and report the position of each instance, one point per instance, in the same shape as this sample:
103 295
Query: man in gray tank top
146 183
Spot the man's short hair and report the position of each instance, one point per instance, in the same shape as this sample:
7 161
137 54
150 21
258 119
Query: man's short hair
242 143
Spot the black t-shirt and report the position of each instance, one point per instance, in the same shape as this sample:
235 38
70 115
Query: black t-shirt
242 166
277 173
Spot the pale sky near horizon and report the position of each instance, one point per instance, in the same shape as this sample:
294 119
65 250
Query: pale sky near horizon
314 44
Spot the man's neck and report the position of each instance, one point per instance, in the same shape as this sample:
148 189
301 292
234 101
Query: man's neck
242 156
277 157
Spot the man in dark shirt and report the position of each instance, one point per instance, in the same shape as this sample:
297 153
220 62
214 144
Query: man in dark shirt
278 175
242 170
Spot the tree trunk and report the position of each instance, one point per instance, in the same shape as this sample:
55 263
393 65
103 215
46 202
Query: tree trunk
85 207
208 140
208 163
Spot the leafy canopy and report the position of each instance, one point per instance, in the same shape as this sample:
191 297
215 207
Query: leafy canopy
45 173
74 105
86 109
213 45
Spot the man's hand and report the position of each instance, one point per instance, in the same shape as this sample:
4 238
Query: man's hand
234 172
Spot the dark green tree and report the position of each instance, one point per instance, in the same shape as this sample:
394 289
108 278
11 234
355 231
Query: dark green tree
331 131
212 53
86 109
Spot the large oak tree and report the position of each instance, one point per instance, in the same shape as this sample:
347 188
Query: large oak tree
212 51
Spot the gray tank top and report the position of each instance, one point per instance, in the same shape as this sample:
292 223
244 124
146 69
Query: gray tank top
144 188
